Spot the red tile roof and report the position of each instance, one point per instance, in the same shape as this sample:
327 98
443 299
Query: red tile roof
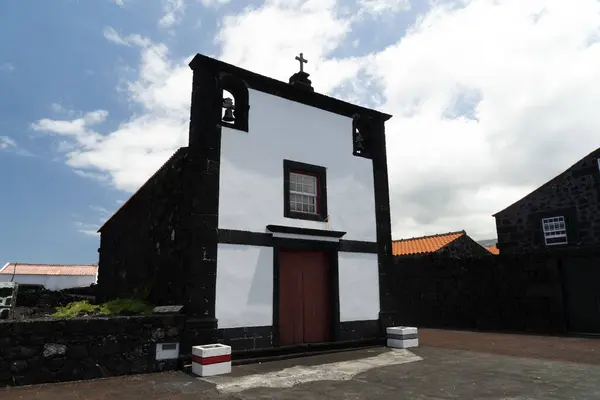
493 249
48 269
424 244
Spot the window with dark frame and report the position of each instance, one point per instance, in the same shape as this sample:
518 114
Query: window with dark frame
305 191
555 230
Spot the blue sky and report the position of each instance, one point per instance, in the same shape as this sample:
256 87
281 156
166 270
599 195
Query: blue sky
94 97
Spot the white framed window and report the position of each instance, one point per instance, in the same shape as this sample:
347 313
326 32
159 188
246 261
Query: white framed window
303 193
555 230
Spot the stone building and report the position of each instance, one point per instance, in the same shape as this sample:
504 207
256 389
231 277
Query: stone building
452 244
272 226
564 212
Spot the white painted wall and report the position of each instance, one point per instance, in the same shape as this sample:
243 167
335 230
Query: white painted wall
251 177
244 286
359 286
51 282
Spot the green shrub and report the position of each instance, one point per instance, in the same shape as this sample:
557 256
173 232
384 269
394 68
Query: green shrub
113 307
75 309
126 307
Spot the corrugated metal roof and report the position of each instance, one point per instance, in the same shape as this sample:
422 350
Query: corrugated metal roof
49 269
424 244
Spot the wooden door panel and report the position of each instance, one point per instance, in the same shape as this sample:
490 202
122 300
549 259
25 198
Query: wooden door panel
315 283
291 330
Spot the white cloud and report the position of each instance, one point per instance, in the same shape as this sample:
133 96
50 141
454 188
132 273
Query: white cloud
214 3
100 210
173 11
98 214
128 155
6 143
529 71
58 108
6 67
79 128
87 229
387 6
312 27
131 40
490 99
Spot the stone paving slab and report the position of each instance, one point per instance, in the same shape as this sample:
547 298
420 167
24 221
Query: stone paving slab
574 349
439 371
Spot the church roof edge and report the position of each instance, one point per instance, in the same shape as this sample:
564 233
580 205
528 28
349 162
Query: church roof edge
285 90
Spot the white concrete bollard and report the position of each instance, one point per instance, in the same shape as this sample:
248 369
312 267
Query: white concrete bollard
211 359
402 337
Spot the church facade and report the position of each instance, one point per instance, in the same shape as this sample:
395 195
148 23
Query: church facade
272 227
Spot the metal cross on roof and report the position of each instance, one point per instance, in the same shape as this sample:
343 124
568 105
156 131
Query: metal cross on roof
302 61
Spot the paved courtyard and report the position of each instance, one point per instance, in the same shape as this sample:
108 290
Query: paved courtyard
448 365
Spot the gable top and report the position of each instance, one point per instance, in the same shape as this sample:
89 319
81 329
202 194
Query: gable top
285 90
595 164
49 269
424 244
180 152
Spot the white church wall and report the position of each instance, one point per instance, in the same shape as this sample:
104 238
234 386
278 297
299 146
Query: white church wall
359 286
251 171
244 292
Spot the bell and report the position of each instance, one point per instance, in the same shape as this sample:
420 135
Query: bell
228 117
229 106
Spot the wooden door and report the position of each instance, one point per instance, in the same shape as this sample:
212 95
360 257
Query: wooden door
304 310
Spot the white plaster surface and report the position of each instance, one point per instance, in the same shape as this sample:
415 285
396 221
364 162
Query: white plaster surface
212 369
51 282
402 343
289 377
251 170
402 330
244 292
211 350
359 286
305 237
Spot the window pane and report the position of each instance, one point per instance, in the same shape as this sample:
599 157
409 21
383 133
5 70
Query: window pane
554 230
303 193
309 180
295 178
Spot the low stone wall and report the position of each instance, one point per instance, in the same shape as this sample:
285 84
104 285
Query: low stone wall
38 296
43 351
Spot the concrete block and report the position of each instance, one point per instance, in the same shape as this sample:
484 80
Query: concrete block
211 359
402 337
